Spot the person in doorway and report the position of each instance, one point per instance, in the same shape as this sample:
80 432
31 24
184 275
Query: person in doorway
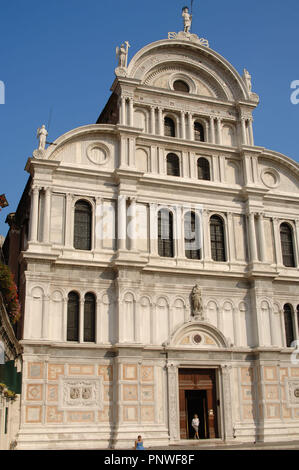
139 444
195 425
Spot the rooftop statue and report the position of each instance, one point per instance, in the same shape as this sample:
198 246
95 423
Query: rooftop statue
122 54
42 136
247 80
187 19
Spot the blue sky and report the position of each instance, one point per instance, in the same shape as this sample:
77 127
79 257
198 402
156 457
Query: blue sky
60 55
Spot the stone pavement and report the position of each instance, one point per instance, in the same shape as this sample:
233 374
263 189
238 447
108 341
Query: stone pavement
218 444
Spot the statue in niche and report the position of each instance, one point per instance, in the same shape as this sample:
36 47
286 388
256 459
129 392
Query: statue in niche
247 80
42 136
197 307
122 54
187 19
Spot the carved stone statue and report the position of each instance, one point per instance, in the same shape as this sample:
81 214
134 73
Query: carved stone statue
42 136
187 19
197 308
247 79
122 53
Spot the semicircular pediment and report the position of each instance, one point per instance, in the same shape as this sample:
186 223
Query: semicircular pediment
202 81
198 335
203 61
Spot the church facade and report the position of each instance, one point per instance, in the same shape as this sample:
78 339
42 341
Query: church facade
158 265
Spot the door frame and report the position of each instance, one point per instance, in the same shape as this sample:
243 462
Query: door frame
218 395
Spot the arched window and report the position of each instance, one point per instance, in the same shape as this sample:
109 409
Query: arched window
217 238
192 236
287 248
89 317
179 85
173 165
73 317
169 127
203 169
165 233
82 226
199 133
288 323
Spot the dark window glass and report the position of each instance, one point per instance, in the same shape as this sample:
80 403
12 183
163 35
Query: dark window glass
165 233
203 169
298 316
288 323
73 317
192 236
82 226
217 238
199 133
179 85
89 317
173 165
287 248
169 127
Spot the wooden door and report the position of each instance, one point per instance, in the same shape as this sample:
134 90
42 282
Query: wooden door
198 379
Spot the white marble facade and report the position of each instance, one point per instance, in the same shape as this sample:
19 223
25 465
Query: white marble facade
126 381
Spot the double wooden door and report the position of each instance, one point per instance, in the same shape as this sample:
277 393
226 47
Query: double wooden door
197 393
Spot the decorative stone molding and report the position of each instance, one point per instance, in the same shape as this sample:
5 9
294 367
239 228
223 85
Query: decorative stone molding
270 177
173 405
190 37
80 393
98 153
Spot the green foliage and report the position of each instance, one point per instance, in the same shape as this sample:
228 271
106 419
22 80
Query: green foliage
9 292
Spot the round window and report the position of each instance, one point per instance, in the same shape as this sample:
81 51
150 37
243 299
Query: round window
179 85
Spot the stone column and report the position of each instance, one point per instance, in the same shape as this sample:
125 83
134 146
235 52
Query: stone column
206 236
262 237
252 237
219 131
160 121
68 221
45 319
81 320
99 335
277 241
132 159
99 232
212 130
153 230
131 112
236 322
227 402
132 232
230 234
250 131
64 320
180 232
121 222
243 127
47 215
123 110
34 213
173 402
153 120
183 125
123 160
190 127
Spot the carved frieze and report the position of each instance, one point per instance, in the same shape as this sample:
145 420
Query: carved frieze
80 393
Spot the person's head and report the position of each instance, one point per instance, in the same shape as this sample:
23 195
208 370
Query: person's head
185 10
195 416
139 438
